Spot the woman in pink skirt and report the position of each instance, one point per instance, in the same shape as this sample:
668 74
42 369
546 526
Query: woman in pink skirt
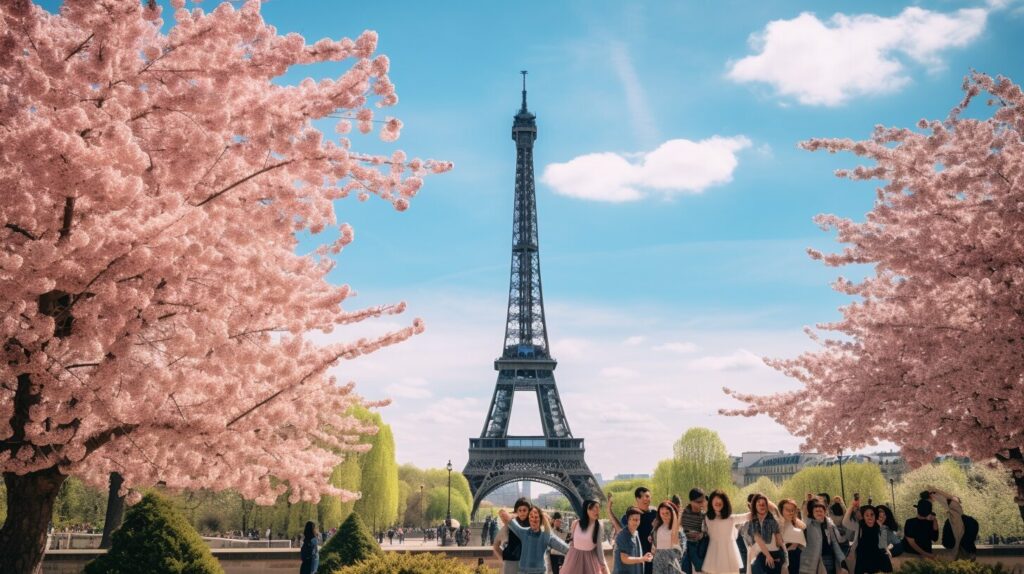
586 553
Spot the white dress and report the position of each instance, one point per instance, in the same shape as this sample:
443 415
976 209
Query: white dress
723 554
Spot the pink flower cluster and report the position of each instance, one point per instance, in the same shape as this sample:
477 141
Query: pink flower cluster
928 356
153 186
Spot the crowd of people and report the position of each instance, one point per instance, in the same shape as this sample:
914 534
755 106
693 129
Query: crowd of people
820 535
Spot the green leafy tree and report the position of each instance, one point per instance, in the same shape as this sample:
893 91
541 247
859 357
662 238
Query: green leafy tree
79 504
431 478
985 493
699 459
404 491
352 543
299 514
349 476
379 485
989 498
437 505
860 477
155 538
763 485
621 492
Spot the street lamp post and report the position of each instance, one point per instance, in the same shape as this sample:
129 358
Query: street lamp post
448 514
842 484
423 515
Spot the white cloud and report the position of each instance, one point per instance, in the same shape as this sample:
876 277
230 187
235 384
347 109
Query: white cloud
409 388
739 360
828 63
683 405
618 373
680 347
676 166
569 347
634 341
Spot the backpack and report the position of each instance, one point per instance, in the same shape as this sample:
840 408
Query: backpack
970 535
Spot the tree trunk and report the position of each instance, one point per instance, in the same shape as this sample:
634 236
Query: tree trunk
30 500
115 509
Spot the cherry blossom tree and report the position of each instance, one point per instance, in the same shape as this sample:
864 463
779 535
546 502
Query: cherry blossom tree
929 353
154 307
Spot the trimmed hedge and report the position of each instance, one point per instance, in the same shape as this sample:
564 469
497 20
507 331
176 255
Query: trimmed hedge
405 563
350 544
955 567
155 539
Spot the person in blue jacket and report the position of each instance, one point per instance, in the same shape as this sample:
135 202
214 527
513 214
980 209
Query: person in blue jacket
536 539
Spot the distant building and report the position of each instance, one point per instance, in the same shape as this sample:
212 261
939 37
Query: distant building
777 467
549 499
505 495
631 476
891 463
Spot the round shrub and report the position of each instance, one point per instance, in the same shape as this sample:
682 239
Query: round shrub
350 544
155 539
406 563
915 566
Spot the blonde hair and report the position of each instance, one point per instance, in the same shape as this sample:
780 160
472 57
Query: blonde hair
796 510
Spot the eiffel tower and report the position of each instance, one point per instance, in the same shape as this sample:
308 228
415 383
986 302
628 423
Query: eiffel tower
555 458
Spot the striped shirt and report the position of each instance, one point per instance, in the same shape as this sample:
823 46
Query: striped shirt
691 521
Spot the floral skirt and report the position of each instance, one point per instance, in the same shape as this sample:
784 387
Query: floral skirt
668 561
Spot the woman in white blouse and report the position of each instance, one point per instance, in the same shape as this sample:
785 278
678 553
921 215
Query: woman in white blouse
792 530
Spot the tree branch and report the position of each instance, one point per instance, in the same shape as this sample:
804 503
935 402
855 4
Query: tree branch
79 47
217 194
101 438
69 213
17 229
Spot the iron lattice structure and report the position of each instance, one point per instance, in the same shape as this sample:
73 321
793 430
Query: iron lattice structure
554 458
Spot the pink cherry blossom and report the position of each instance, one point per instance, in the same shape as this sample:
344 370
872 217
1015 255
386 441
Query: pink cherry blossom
928 355
155 312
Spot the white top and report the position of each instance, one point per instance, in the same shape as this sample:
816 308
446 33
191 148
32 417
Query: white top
583 540
792 534
663 538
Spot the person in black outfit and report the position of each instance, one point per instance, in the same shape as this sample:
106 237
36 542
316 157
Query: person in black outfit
871 557
310 550
509 554
919 532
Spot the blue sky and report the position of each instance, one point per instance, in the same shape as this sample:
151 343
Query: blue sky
673 260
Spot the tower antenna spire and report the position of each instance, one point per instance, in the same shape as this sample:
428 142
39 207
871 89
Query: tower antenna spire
523 72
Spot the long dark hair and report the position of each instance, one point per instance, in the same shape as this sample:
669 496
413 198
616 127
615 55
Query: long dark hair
309 533
890 519
726 505
585 518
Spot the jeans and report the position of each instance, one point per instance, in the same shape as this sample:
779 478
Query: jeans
760 565
794 560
